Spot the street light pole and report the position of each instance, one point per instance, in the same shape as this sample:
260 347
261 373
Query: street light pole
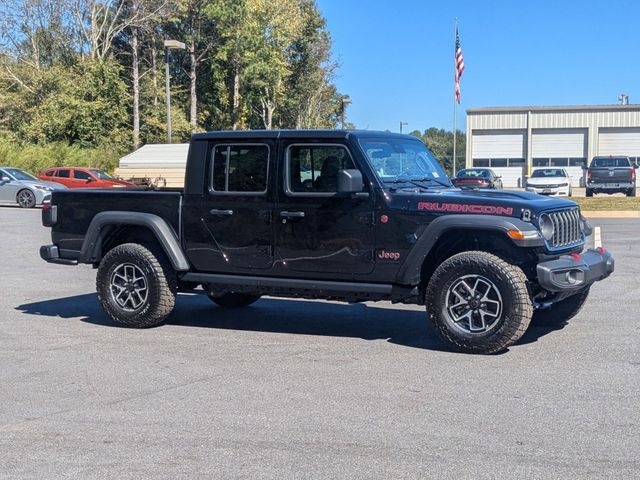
402 124
345 101
169 45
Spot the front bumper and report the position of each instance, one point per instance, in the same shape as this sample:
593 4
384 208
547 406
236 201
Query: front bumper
552 191
571 273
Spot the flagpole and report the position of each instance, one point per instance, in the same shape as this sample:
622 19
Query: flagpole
455 66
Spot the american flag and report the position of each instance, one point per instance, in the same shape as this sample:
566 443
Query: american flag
459 66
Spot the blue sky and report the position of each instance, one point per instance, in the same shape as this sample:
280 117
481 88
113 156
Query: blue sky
397 56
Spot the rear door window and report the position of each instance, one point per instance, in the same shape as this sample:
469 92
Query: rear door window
63 173
240 169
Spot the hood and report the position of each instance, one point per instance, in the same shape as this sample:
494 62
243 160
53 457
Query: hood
509 203
546 180
51 185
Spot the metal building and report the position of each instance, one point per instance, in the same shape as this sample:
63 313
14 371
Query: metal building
513 140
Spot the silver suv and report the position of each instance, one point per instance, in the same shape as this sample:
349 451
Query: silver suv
18 186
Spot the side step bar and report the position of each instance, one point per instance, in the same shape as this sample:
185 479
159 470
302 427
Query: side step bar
319 286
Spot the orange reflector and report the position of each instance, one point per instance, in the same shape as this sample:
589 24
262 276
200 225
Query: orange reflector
516 234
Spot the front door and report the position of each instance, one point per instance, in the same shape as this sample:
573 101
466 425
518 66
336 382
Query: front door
319 230
235 229
8 190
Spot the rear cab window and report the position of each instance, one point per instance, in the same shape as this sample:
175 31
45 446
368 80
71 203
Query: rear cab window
612 162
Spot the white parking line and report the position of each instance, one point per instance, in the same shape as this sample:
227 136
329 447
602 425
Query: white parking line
597 237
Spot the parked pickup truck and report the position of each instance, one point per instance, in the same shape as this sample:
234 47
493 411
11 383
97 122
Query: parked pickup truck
340 215
611 175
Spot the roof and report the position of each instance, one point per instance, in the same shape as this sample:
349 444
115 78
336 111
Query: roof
554 108
171 155
334 133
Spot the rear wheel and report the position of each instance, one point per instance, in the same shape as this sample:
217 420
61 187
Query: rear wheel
26 199
561 311
234 299
478 303
136 286
589 192
631 192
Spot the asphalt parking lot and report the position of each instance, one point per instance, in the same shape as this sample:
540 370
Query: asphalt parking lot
300 389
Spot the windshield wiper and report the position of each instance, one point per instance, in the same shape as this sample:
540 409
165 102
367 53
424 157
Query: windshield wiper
430 179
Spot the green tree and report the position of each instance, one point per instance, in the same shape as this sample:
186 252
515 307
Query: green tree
440 142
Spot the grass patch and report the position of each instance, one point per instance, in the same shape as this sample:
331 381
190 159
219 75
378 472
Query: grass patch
605 202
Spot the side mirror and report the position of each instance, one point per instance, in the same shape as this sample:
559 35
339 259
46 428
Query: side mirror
4 180
498 176
350 181
89 180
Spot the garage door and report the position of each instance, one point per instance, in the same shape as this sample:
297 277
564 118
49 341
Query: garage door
619 141
498 144
569 143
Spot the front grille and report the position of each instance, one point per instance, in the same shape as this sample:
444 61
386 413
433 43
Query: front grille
548 186
567 230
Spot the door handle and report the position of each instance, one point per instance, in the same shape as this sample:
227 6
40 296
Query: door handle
286 214
216 211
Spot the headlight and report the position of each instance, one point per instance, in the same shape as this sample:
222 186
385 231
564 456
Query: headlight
546 227
563 185
42 187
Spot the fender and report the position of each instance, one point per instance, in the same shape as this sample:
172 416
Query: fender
92 244
409 273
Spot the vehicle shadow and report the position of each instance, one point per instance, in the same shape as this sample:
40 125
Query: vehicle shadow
299 317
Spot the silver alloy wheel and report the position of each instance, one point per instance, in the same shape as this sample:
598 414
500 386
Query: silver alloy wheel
473 304
128 287
26 199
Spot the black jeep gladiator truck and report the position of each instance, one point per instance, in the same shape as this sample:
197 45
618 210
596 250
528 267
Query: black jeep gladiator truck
352 216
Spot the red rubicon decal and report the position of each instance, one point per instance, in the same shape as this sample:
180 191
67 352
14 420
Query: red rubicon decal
464 208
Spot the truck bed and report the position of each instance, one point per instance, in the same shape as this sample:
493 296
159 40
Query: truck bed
76 209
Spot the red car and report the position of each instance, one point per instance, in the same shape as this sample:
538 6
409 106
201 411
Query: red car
73 177
477 178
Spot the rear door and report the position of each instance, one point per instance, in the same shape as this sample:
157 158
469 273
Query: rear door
235 232
63 176
318 230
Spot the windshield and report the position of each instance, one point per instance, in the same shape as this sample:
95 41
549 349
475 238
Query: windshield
101 175
473 174
402 160
19 174
548 172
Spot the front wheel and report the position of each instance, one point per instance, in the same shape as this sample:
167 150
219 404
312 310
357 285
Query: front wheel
234 299
589 192
478 303
561 311
26 199
136 287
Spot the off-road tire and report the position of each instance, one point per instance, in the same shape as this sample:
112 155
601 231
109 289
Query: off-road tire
589 192
511 283
234 299
631 192
160 279
561 311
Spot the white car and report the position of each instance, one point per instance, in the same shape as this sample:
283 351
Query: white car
549 181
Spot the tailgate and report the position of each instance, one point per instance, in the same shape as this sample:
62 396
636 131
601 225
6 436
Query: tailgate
611 174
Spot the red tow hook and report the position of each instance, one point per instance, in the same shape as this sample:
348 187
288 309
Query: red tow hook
576 256
601 250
